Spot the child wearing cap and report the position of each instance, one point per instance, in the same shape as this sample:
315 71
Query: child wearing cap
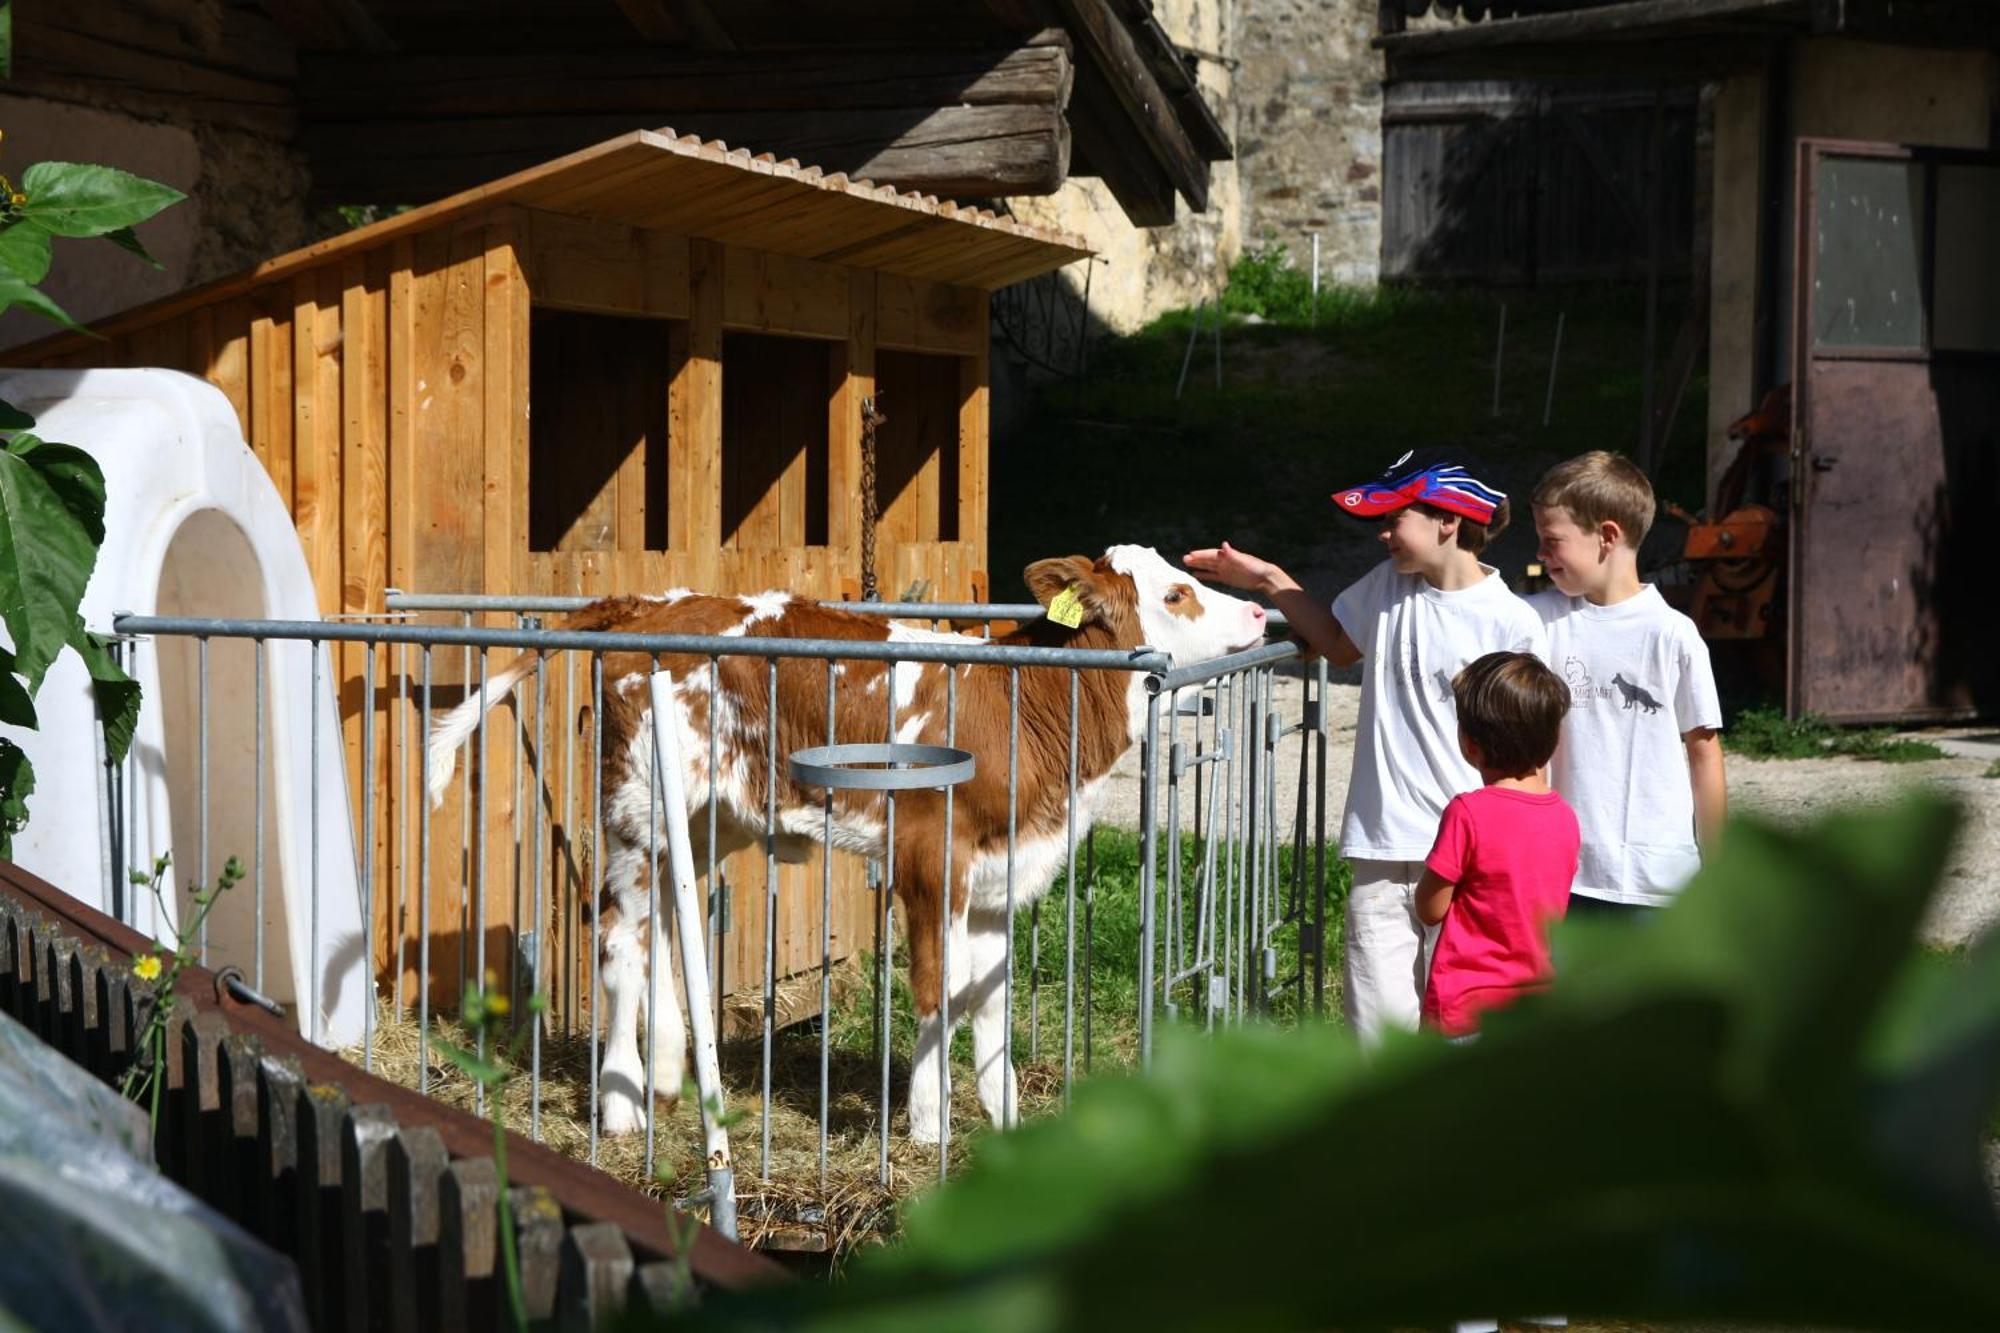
1500 870
1640 758
1416 619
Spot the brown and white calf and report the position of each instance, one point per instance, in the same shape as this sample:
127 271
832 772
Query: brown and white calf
1130 597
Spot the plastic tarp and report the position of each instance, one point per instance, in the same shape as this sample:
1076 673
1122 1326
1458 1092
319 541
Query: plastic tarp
93 1237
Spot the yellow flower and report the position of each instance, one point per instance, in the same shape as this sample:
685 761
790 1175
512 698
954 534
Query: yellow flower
18 198
496 1005
147 968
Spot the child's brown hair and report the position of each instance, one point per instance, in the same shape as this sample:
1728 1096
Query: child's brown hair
1511 706
1597 486
1472 536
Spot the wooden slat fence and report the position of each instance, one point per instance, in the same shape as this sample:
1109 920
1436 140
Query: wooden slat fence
388 1201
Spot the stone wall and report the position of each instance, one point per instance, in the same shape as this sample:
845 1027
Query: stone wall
246 187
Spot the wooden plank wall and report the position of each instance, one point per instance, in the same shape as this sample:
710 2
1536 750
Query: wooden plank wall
386 395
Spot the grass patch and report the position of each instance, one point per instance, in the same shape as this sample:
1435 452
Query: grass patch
1305 407
851 1204
1992 770
1766 733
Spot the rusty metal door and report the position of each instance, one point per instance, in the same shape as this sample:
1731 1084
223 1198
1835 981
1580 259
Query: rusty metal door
1896 387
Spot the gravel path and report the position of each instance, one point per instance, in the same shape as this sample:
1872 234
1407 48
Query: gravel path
1784 790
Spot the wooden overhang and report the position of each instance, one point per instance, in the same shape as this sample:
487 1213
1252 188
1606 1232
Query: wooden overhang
404 101
706 190
1657 39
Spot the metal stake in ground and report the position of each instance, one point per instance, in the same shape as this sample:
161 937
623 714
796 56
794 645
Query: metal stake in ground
688 913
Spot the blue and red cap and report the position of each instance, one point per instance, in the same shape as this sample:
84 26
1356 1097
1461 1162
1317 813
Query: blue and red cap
1441 478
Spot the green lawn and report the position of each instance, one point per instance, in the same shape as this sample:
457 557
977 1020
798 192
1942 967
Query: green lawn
1306 408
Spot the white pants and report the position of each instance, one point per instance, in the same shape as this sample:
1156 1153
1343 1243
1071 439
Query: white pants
1388 953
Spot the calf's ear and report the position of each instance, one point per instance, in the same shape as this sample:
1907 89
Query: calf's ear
1047 578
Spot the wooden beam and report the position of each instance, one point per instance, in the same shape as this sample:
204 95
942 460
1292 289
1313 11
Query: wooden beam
657 85
1112 50
329 25
678 23
1139 184
959 152
1628 19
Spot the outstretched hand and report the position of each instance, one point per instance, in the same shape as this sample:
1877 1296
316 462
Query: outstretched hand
1238 569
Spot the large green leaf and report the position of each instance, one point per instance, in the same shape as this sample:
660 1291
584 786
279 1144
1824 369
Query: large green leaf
74 476
115 693
46 555
13 418
15 292
17 706
17 784
24 250
127 239
82 199
1755 1106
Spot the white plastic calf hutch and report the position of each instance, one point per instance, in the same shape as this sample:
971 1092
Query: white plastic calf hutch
194 527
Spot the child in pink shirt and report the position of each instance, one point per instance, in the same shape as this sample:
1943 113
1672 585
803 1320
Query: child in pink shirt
1500 870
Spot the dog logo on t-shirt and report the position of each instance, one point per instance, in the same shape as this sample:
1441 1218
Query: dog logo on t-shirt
1634 695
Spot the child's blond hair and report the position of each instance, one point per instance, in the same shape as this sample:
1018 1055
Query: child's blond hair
1597 487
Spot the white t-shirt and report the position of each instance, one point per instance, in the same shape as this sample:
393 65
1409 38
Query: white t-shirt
1414 638
1639 680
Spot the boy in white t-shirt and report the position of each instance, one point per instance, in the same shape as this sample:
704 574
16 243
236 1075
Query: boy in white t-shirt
1640 758
1417 618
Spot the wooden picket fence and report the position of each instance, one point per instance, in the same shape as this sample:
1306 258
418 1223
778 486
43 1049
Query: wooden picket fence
389 1202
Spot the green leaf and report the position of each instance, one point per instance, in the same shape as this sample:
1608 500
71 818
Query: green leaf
1759 1105
17 784
116 695
82 199
74 475
13 418
17 706
46 555
480 1071
127 239
24 250
15 292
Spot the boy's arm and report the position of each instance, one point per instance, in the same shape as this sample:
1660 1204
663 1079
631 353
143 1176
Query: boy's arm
1433 897
1711 792
1312 623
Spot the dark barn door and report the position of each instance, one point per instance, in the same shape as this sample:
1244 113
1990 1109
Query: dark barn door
1896 374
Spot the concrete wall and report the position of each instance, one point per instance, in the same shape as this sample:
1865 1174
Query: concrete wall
1840 89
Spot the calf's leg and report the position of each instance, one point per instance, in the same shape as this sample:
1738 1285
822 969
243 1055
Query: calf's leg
986 1000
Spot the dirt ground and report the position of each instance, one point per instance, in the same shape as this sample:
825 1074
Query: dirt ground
1784 790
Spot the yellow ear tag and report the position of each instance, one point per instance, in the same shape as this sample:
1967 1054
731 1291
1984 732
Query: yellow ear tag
1066 608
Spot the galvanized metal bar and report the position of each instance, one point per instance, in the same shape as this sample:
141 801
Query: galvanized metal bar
1149 839
516 826
718 891
259 769
1013 821
770 901
944 953
400 914
595 888
571 1009
1319 843
539 921
884 991
655 934
465 821
313 965
424 903
1196 673
970 652
826 938
1069 912
201 748
367 852
478 907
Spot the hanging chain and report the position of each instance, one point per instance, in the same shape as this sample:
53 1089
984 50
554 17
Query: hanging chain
870 419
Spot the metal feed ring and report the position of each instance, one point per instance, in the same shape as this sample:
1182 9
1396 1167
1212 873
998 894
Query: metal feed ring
924 767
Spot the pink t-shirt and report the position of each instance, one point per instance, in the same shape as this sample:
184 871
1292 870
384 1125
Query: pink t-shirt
1512 855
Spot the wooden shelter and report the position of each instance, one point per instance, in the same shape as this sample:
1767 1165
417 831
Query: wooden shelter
636 367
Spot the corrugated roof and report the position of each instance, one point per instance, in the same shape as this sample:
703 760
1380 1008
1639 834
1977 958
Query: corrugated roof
654 178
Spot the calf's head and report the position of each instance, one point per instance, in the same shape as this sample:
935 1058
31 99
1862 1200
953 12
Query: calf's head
1140 598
